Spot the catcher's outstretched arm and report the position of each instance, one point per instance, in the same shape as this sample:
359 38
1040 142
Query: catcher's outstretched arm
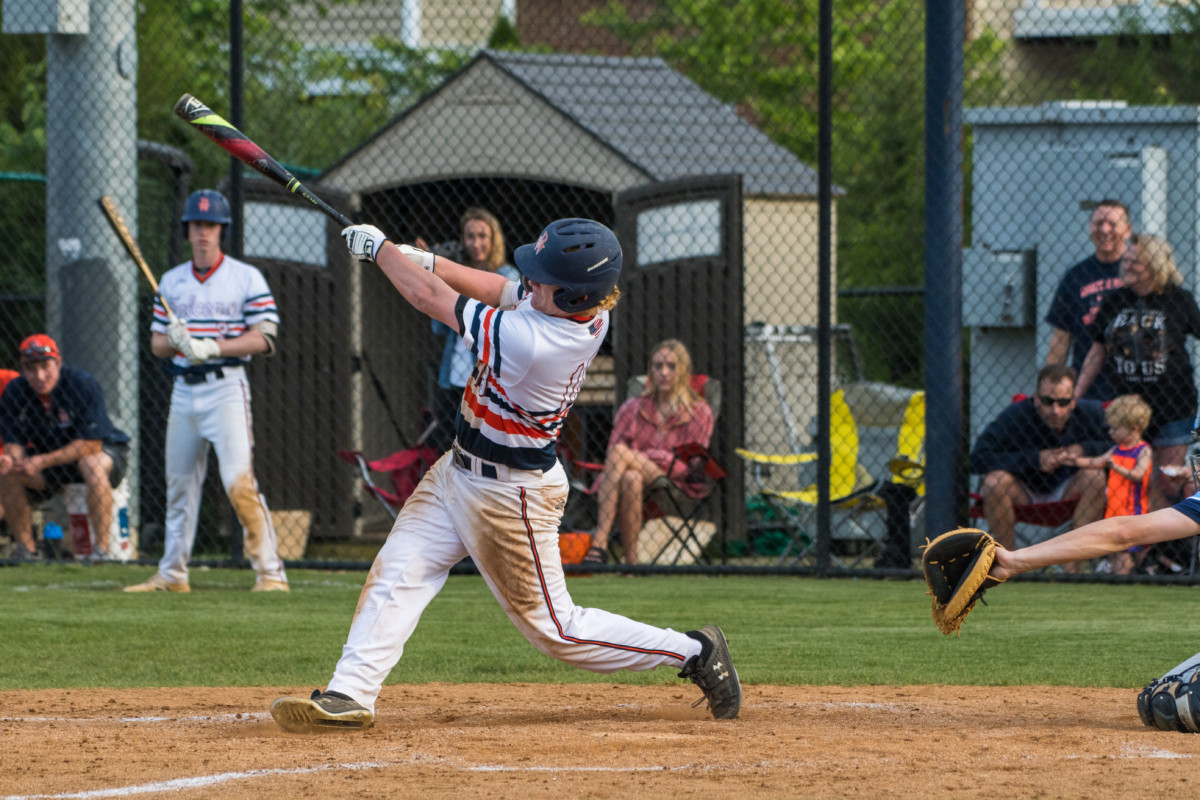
1098 539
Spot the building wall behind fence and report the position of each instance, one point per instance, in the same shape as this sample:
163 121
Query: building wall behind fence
539 109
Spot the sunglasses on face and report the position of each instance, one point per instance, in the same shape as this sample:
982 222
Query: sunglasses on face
1061 402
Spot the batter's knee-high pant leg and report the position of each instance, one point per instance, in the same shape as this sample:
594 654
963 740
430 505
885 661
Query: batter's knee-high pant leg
230 430
511 532
186 459
408 572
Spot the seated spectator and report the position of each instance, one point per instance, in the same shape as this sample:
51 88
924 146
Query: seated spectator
645 432
1139 340
482 247
6 377
56 431
1128 464
1026 455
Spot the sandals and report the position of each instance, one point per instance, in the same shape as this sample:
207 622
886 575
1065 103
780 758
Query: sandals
595 555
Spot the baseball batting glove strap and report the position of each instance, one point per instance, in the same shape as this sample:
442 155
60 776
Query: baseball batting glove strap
956 566
363 241
422 257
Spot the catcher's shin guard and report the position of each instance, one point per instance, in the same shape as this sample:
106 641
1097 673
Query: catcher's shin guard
321 712
1172 703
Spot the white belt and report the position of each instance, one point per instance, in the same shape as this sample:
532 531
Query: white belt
488 469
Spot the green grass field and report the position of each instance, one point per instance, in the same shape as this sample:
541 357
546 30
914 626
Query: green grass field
69 626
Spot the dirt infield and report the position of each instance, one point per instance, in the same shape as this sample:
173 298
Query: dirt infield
599 740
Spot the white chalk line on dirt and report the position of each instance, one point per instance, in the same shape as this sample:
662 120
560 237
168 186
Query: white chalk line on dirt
243 716
200 782
182 784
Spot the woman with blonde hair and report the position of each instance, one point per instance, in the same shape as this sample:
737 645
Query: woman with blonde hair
1139 338
481 246
645 433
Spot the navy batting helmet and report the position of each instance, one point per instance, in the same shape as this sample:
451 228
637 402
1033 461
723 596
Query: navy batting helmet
580 255
207 205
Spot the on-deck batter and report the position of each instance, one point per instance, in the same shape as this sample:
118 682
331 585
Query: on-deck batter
498 494
223 313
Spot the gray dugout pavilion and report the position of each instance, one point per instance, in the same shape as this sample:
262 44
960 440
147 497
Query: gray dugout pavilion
718 225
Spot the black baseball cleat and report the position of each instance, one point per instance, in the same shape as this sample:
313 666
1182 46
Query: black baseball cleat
321 712
713 672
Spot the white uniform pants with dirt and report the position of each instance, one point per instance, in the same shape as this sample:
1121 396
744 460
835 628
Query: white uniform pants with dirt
217 412
510 530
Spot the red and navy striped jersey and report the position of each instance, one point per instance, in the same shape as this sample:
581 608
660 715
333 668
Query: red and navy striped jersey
529 370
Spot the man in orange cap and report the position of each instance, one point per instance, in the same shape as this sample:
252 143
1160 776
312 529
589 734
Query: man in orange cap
55 430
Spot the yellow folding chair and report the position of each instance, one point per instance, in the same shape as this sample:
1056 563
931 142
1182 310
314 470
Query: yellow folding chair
904 495
849 484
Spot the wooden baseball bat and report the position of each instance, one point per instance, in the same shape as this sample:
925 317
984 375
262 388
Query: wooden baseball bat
237 144
122 230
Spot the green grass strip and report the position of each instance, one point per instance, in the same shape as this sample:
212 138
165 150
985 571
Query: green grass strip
70 626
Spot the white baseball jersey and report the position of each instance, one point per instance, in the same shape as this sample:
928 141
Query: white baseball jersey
210 402
222 305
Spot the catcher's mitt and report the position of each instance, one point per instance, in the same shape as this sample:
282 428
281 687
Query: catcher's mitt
956 566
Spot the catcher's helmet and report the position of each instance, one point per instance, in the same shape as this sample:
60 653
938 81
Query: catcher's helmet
580 255
207 205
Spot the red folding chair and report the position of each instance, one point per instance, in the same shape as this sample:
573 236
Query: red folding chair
404 470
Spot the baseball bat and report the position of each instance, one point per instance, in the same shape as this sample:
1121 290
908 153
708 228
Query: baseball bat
238 145
122 230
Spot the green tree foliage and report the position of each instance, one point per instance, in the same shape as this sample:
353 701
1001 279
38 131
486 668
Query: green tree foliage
762 55
295 95
307 106
22 160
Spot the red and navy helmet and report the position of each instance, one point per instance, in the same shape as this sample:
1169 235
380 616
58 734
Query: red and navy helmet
207 205
580 255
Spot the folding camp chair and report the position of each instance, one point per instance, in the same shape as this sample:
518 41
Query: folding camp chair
677 527
404 470
850 491
904 494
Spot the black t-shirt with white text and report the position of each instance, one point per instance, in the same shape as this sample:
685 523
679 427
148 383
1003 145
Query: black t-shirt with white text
1146 336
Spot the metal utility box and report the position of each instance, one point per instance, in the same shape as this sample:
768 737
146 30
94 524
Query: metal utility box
1038 173
46 16
999 288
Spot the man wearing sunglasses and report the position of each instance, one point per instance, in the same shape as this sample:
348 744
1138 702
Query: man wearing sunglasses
56 431
1025 455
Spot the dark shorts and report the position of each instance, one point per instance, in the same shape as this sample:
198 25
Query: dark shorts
59 476
1173 434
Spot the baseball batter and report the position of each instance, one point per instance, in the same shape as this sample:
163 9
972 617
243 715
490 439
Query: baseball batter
498 494
223 313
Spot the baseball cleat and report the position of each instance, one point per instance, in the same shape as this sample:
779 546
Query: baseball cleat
157 583
321 712
266 585
713 672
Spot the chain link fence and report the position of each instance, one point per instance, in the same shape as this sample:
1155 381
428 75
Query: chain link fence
693 130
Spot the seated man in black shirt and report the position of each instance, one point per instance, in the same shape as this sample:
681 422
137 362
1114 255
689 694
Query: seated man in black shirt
1026 454
56 431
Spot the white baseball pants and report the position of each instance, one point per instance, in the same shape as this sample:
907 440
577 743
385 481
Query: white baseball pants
510 530
217 412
